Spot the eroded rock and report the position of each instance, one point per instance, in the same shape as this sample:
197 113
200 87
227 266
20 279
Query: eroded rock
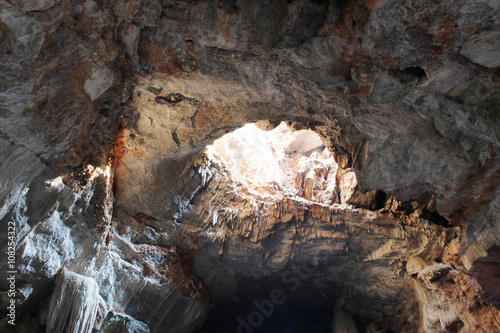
74 304
343 323
122 323
483 49
403 95
100 80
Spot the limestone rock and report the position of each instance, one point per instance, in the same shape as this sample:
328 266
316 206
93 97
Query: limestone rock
372 200
102 311
129 35
126 9
100 80
483 49
288 233
148 14
403 94
74 304
122 323
25 33
415 265
434 272
35 5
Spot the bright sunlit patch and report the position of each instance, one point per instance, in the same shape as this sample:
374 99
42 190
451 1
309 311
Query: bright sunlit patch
97 171
290 162
254 155
55 183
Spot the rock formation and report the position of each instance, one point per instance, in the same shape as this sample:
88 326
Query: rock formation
110 188
74 304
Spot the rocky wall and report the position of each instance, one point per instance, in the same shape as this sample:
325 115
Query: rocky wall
404 92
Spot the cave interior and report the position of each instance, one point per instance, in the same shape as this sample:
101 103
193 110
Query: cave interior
214 166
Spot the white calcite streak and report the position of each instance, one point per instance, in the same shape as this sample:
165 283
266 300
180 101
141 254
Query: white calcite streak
74 304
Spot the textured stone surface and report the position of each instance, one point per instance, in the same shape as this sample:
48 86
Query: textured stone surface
67 225
406 95
100 80
32 5
483 49
360 257
74 304
122 323
343 322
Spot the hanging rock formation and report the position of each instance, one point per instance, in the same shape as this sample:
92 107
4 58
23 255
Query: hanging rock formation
73 307
106 110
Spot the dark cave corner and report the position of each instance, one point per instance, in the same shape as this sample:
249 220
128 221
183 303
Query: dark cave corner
486 272
412 74
378 200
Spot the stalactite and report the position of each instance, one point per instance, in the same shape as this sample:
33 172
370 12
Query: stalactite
74 304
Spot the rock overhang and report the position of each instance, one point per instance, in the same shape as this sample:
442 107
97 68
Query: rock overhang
350 72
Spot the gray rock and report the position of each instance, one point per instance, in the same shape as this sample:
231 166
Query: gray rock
126 9
74 304
148 14
483 49
53 235
25 32
380 81
129 35
35 5
122 323
100 80
169 33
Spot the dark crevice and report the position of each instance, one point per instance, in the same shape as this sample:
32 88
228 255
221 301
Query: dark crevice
379 200
372 200
486 272
412 74
321 2
170 99
154 90
436 218
230 6
426 208
454 326
338 7
284 301
175 137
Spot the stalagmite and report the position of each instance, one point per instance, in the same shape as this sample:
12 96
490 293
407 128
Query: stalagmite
74 304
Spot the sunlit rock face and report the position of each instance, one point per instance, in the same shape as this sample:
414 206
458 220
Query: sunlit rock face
283 162
386 222
389 269
257 157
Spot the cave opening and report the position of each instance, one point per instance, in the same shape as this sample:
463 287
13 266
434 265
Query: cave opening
287 301
291 176
284 162
294 241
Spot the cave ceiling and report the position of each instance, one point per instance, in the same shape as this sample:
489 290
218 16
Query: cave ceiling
106 112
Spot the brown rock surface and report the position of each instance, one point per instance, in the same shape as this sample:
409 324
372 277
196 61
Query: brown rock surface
105 107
